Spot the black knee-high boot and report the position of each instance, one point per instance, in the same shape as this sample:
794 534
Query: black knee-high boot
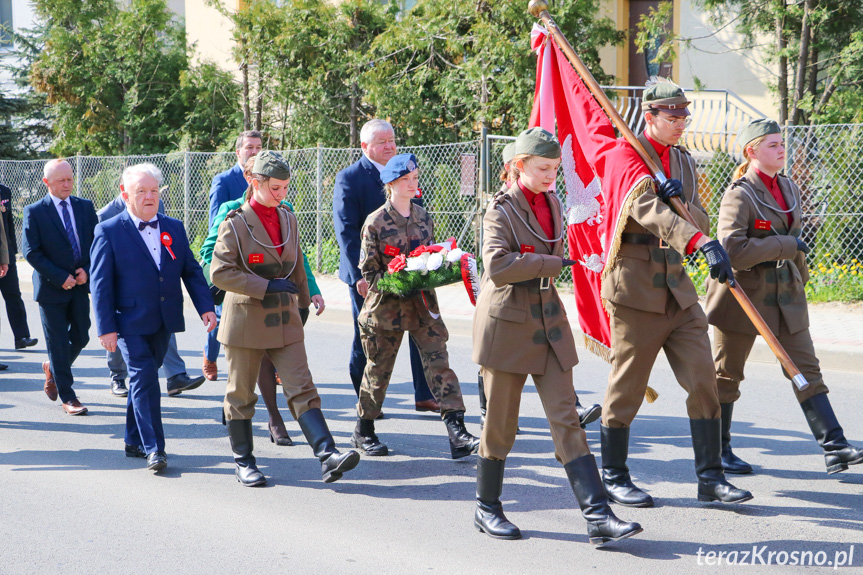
242 444
838 453
333 463
489 517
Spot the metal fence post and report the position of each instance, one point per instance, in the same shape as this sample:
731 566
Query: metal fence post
319 224
187 184
78 174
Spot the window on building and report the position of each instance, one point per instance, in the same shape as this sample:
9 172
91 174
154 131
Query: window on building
6 22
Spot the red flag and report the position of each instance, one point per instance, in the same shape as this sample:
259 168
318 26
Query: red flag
603 175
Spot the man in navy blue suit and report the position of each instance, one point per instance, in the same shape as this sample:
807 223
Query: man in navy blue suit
228 186
358 192
58 232
139 260
173 367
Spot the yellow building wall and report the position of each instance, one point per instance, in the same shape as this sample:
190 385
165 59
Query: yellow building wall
210 31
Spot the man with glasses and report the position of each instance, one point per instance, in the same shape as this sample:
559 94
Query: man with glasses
653 306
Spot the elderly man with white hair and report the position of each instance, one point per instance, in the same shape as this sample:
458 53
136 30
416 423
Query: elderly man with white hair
358 192
58 231
173 368
139 260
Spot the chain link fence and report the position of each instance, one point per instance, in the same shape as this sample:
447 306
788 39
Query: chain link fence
449 176
457 180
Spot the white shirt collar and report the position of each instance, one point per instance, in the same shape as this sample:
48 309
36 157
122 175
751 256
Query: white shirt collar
380 167
57 201
137 221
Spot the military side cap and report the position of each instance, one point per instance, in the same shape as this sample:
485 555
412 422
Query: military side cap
666 97
756 129
537 142
271 164
398 166
508 152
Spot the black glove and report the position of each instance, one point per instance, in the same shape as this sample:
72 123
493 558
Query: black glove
801 246
717 259
568 263
282 285
670 188
304 314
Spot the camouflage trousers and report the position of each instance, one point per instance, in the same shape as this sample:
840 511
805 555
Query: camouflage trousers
381 347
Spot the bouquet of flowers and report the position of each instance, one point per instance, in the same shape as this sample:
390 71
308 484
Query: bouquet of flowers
428 267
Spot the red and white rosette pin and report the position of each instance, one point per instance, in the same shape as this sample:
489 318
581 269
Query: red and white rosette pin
167 241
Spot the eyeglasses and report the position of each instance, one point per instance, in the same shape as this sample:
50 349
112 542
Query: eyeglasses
676 122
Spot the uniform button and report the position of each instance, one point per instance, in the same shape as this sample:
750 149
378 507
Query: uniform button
161 279
162 298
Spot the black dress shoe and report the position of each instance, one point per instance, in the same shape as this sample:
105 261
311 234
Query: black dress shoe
25 342
135 451
118 388
157 461
182 382
3 366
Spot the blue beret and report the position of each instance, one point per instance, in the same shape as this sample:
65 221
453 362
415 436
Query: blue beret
398 166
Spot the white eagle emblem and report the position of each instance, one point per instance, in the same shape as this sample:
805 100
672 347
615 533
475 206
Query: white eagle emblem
581 203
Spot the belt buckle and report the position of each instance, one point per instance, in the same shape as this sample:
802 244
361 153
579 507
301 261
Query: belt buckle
663 244
544 283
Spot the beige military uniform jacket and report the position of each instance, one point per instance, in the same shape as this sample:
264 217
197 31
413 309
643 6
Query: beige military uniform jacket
385 235
776 289
243 267
645 275
516 326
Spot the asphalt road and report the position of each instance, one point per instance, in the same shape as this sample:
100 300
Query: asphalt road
72 503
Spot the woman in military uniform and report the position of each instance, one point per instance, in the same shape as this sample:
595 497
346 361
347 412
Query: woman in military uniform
397 228
257 261
520 328
759 225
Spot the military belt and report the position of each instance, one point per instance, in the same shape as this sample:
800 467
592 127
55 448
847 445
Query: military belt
643 240
535 284
771 264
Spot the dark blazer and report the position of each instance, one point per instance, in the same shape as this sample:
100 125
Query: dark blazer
48 250
117 206
227 186
358 192
131 296
8 223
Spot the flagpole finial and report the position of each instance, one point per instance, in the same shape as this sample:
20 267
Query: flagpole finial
537 7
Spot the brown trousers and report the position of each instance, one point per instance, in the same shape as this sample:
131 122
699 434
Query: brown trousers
503 392
636 339
381 347
293 367
731 350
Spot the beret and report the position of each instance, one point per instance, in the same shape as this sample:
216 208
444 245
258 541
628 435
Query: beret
666 97
508 152
271 164
537 142
756 129
398 166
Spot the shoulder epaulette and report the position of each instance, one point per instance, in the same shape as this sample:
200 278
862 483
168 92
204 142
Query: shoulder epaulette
232 213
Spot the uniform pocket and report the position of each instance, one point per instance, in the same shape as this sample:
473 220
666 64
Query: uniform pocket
507 313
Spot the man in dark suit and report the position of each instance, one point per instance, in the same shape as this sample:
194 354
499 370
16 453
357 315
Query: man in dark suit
139 260
173 366
58 232
228 186
4 262
358 192
9 285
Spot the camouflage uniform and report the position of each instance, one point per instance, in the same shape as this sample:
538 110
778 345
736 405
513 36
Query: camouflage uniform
385 317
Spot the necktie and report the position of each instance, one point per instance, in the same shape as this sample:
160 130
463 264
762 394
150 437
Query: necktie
152 224
70 233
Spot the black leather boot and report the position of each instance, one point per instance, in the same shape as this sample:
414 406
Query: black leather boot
707 444
587 414
333 463
489 517
730 462
366 440
482 399
615 474
838 453
461 443
240 433
602 525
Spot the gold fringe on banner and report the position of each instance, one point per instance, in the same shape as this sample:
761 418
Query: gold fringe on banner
596 347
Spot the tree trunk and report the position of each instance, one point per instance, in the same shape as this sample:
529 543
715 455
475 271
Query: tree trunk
247 113
259 104
355 133
782 86
802 61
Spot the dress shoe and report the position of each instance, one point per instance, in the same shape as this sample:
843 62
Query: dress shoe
3 366
25 342
182 382
428 405
74 407
210 369
587 414
157 461
118 388
50 386
366 440
461 443
135 451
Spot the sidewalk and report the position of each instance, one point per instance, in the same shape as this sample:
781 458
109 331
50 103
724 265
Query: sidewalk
837 329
